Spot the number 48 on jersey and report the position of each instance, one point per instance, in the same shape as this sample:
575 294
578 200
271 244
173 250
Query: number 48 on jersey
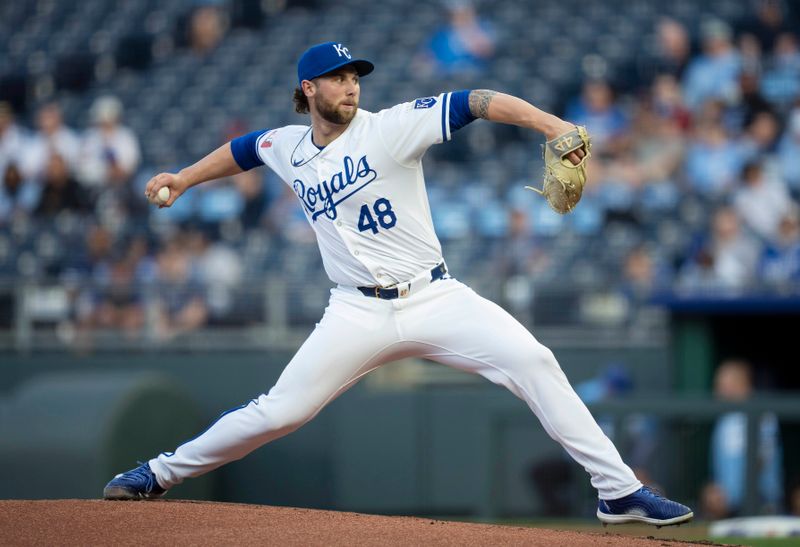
382 209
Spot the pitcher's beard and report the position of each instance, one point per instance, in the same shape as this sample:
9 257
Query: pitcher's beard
332 114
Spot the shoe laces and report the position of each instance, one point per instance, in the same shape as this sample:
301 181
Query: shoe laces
652 492
143 472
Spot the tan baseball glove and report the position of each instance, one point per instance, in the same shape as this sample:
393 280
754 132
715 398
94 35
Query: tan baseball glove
563 180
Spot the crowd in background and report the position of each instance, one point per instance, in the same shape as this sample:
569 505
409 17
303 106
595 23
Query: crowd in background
695 147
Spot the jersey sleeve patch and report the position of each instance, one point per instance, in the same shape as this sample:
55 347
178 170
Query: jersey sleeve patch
425 102
266 142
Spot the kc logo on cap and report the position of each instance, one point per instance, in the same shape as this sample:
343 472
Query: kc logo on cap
323 58
341 50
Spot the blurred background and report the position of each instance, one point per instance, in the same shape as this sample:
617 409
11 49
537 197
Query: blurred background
671 295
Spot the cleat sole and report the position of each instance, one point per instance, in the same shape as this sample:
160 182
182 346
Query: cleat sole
658 523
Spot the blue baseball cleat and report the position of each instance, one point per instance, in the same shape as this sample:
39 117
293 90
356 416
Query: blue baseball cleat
644 505
136 484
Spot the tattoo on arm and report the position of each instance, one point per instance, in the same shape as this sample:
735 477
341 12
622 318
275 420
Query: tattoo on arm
479 100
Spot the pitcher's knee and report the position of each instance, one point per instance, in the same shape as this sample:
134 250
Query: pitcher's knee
533 360
541 357
548 358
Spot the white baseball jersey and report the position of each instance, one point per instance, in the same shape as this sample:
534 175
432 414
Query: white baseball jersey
364 193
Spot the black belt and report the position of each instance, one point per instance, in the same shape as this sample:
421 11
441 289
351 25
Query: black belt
391 293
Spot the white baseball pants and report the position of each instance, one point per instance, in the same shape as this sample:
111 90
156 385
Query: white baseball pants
446 322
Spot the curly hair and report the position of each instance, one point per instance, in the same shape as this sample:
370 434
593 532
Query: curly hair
300 101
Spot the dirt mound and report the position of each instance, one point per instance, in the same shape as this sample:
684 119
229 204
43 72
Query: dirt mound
174 522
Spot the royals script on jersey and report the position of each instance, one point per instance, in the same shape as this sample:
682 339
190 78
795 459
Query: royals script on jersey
364 194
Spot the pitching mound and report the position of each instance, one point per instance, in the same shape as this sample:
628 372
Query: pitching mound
96 522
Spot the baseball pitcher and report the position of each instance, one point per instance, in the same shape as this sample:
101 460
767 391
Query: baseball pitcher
359 179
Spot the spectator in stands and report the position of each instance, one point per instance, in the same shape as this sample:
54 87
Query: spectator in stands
52 137
724 497
667 100
789 151
674 47
657 138
618 182
118 303
713 160
640 277
60 190
714 74
461 47
250 185
139 255
734 251
750 54
207 27
724 261
780 260
781 81
761 201
180 301
110 152
218 267
749 106
17 195
602 116
520 253
761 136
92 265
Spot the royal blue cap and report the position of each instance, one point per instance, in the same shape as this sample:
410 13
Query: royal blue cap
323 58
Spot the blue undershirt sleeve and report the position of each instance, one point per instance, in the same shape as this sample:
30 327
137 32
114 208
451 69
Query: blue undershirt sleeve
244 150
460 114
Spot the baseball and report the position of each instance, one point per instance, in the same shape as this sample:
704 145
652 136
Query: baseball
162 196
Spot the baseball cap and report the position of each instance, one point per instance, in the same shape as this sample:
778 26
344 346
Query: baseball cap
323 58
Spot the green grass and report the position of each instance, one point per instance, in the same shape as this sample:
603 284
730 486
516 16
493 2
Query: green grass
694 531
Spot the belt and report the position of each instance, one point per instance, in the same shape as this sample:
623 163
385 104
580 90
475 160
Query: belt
404 290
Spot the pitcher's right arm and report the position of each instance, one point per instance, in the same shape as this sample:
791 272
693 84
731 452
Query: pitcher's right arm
218 164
